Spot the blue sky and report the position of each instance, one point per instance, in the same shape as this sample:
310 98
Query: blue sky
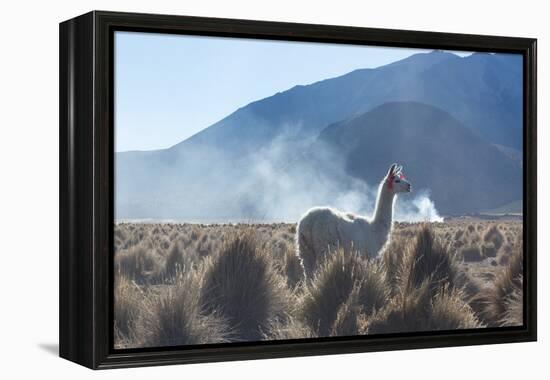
169 87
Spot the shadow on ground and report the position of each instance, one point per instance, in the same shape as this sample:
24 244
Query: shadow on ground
52 348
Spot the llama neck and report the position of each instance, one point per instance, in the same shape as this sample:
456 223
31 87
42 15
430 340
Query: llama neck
383 213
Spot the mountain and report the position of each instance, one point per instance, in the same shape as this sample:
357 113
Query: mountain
463 172
512 208
208 174
483 91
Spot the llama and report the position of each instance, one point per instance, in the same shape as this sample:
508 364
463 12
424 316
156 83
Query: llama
324 228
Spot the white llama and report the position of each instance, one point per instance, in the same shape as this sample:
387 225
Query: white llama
323 228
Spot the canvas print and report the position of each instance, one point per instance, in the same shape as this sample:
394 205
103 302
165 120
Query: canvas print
276 190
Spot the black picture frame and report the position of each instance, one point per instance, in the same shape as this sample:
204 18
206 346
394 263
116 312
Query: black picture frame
86 188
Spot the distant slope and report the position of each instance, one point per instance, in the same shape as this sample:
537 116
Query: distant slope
512 208
483 91
463 172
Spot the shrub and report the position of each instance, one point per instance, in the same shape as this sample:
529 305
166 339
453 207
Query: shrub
403 313
450 312
287 263
178 261
241 284
418 310
392 258
332 285
128 299
291 328
137 263
373 290
513 306
493 235
174 317
174 262
293 269
503 301
426 259
347 320
430 291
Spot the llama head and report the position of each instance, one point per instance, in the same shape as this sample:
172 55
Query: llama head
395 180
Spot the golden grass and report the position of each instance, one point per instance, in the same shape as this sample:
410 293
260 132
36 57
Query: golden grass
241 284
502 301
184 284
340 277
174 317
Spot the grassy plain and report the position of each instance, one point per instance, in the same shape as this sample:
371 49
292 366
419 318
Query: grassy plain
186 284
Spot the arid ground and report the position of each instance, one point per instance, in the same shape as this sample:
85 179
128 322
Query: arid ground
186 284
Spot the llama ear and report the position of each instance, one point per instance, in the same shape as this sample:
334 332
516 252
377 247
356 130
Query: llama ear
392 170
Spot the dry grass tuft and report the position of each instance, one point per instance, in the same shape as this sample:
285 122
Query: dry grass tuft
291 328
241 285
332 285
137 263
427 260
175 262
174 317
513 306
430 292
391 259
293 269
348 317
403 313
493 235
127 305
418 310
449 311
503 301
289 265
